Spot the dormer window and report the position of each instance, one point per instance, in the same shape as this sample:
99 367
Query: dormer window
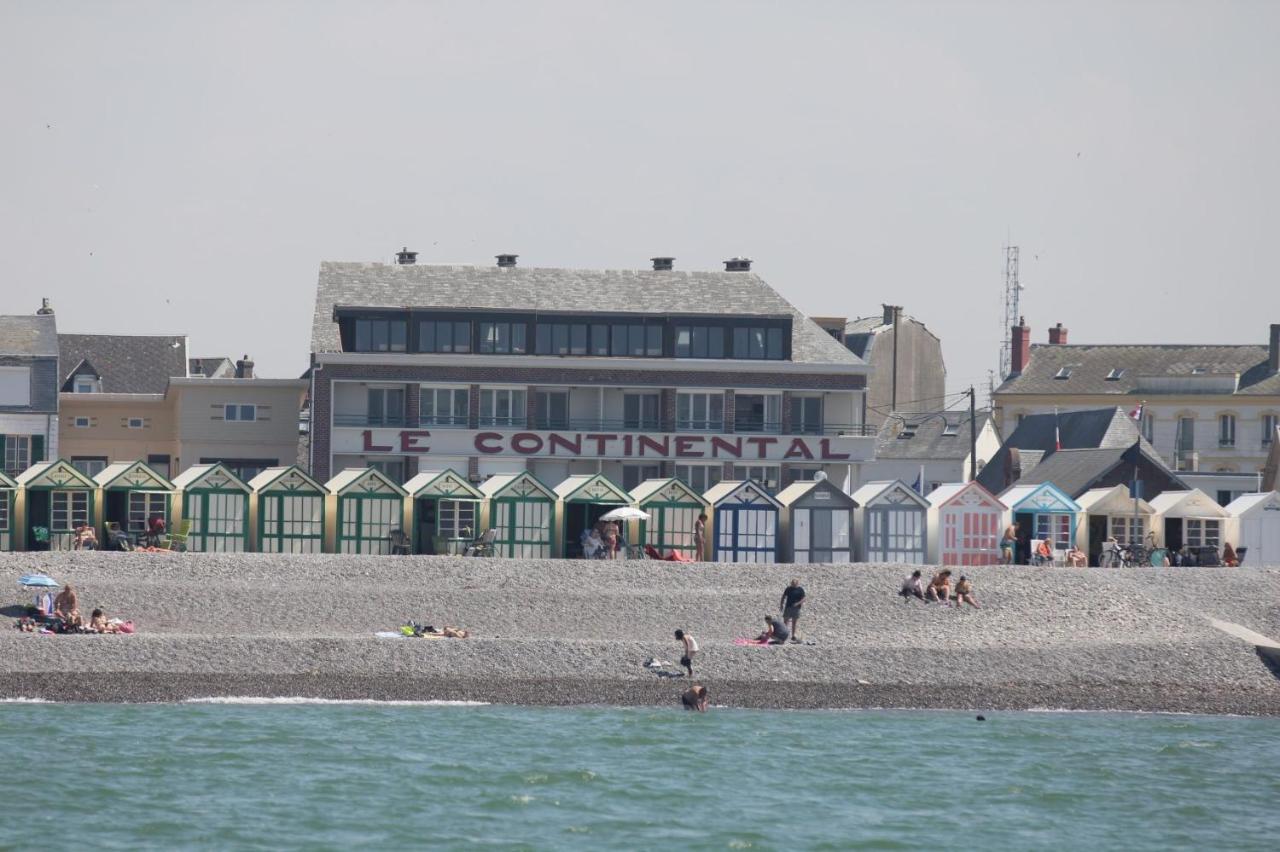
950 430
1063 373
1114 375
86 384
908 431
1198 371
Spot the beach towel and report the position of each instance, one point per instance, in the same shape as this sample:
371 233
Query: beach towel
676 556
743 640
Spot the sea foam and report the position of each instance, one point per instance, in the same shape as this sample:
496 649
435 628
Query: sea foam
299 699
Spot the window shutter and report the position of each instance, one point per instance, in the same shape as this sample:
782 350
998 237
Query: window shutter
37 449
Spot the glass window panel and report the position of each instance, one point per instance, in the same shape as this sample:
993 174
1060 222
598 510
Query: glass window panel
653 340
578 339
462 337
364 340
635 338
542 339
426 337
684 346
619 344
756 347
774 350
560 339
599 339
715 342
397 328
518 331
741 343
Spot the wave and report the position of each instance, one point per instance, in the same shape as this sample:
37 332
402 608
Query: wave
299 699
20 700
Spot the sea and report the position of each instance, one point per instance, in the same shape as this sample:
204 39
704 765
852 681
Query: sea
303 774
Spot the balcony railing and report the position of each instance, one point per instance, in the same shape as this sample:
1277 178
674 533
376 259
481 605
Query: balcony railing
593 424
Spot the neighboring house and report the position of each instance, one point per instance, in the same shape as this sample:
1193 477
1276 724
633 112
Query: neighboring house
1078 471
921 373
1210 411
28 389
129 398
211 368
635 374
937 442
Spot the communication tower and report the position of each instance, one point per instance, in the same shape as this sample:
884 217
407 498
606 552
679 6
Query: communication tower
1012 292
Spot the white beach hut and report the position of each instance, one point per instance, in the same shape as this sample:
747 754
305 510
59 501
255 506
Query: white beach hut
1189 519
966 522
891 523
1111 513
1255 525
817 522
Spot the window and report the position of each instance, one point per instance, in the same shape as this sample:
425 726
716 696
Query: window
240 412
1064 373
551 410
599 339
1269 422
699 477
139 423
1202 532
385 406
502 408
803 473
571 338
1128 530
755 342
456 519
636 341
1226 430
502 338
69 509
700 412
392 469
1149 427
767 475
950 429
757 412
444 336
640 411
806 415
699 341
444 406
80 422
380 335
15 386
4 511
634 474
86 384
244 469
1114 375
90 466
1186 434
159 463
1055 528
143 505
17 454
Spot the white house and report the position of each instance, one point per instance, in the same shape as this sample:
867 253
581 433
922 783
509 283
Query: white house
1255 525
936 443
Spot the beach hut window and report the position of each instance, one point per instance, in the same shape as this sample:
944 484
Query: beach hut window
367 524
292 523
524 528
4 511
906 531
453 516
70 509
1055 528
1202 533
747 535
1127 530
220 527
144 504
671 528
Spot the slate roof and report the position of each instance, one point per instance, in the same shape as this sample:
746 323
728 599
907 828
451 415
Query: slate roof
212 368
125 363
928 441
858 333
1076 471
562 291
1090 366
29 335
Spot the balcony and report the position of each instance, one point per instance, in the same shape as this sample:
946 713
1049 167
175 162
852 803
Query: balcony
593 424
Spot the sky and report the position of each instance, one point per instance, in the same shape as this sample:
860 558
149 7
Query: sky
184 167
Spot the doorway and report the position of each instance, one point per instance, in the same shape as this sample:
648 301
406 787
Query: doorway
38 517
1026 523
1173 535
579 518
425 512
1097 535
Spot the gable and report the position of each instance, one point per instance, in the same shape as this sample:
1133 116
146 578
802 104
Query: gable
665 491
446 483
212 477
6 483
136 475
54 474
1045 498
973 496
369 481
818 493
290 480
748 493
592 489
517 486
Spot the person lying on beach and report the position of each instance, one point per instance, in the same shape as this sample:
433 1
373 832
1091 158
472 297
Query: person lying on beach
913 586
695 698
775 632
964 592
98 623
690 647
940 587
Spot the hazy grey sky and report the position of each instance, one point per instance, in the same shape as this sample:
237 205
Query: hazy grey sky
184 167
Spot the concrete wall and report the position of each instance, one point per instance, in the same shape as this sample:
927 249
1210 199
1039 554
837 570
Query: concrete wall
922 373
108 433
204 432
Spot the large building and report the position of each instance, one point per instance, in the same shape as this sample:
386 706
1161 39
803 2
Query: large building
908 372
636 374
1210 411
28 389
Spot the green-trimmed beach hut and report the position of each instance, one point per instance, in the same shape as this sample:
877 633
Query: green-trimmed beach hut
216 502
367 506
56 498
132 494
445 509
673 508
522 510
583 498
288 511
8 506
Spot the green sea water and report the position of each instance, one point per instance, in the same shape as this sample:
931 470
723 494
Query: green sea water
387 776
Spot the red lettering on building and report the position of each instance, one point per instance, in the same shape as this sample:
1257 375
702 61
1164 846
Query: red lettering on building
733 448
628 450
761 445
798 450
371 447
601 440
485 442
825 444
573 446
662 448
526 443
684 446
409 441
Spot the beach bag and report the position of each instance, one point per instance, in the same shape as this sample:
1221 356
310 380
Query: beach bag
127 627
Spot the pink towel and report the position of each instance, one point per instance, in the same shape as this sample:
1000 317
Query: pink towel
742 640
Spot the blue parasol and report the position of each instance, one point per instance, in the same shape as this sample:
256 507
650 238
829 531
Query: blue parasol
38 581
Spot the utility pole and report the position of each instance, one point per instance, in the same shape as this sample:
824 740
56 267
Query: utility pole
973 436
893 397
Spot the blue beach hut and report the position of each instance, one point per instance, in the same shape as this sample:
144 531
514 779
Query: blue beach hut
1042 512
745 520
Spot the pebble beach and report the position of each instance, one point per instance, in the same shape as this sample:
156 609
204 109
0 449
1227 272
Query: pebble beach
560 632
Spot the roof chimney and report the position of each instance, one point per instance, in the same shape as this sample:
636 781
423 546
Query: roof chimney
663 264
244 368
890 311
506 261
197 367
1020 351
46 309
1058 335
737 264
1274 351
404 257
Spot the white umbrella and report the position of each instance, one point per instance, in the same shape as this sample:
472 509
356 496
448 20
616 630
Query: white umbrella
625 513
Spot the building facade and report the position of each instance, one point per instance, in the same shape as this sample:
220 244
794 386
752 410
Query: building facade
908 371
704 376
28 390
933 448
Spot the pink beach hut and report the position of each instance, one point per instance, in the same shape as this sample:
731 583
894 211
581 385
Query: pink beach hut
967 520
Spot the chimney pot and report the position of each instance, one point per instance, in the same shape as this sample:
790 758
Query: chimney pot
663 264
1274 349
1020 350
506 261
404 257
45 308
737 264
244 368
890 311
1058 335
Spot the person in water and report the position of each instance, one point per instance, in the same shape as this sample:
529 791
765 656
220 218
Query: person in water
695 698
775 632
689 646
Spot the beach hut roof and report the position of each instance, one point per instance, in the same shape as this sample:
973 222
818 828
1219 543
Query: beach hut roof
442 483
6 482
362 480
1250 505
208 476
742 492
134 475
290 478
1115 500
1044 497
801 489
591 488
888 491
668 490
1187 504
54 474
964 494
522 484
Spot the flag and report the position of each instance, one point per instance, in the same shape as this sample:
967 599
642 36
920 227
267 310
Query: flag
918 485
1136 414
1057 436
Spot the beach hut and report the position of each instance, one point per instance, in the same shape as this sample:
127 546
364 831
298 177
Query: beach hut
1042 512
817 522
583 498
367 507
1189 519
133 494
216 503
745 522
967 522
288 511
1255 521
1111 513
522 511
8 500
891 523
673 508
56 499
445 509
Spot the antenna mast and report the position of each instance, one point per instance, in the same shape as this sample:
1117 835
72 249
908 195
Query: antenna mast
1012 291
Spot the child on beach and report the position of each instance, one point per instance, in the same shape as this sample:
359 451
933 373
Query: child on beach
913 586
964 592
690 647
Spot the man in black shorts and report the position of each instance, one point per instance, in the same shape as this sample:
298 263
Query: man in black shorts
792 600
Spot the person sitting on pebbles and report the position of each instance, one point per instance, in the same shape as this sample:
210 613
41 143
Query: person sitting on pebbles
940 587
912 587
964 592
98 623
775 632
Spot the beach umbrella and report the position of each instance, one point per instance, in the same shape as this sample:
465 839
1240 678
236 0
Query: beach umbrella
625 513
38 581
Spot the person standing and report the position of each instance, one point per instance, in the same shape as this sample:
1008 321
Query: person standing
700 538
689 646
1007 543
792 600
